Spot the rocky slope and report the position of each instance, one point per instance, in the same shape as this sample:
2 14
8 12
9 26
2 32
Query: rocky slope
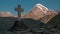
51 14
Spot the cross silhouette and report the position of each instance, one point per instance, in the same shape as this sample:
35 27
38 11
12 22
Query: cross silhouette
19 10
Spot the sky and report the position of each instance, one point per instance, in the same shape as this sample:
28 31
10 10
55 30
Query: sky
10 5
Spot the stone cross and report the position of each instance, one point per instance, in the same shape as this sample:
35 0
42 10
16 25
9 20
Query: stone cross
19 10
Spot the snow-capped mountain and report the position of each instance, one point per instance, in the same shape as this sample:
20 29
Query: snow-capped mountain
41 12
37 12
5 14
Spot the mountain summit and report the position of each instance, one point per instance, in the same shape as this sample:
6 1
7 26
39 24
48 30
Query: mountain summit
40 12
37 12
41 7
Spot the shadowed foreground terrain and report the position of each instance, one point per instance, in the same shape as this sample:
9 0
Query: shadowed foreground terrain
7 22
52 26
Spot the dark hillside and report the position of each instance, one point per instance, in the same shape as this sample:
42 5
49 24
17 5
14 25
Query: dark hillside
54 22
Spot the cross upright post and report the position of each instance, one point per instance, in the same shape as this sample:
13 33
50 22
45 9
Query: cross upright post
19 10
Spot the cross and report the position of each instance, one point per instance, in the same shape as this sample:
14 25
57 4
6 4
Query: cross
19 10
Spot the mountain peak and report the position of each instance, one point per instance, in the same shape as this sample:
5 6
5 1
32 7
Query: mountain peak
38 11
41 6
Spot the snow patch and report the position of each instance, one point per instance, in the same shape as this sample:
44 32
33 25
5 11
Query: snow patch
40 6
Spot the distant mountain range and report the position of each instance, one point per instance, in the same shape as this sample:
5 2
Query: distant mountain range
39 12
5 14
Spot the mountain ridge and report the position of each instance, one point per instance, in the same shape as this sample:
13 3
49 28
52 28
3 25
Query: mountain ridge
37 12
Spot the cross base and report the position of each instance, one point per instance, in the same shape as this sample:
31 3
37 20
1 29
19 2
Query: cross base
19 26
